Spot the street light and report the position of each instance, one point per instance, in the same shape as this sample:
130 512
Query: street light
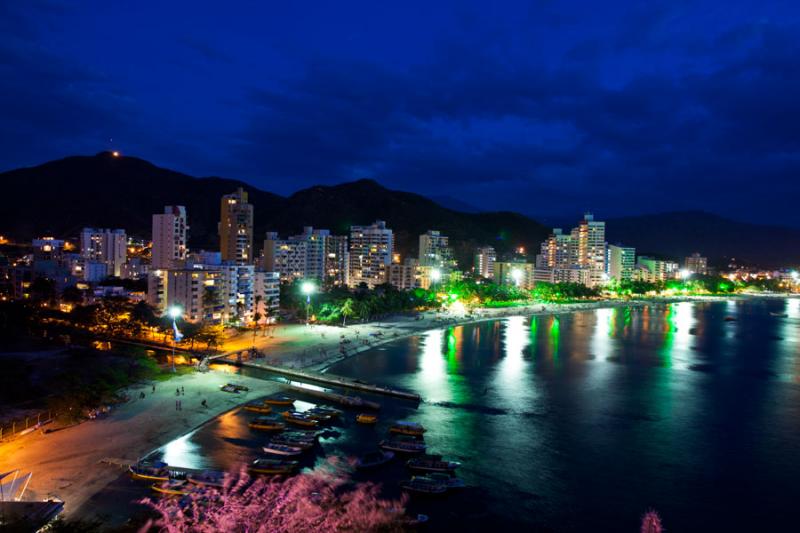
685 273
175 312
308 288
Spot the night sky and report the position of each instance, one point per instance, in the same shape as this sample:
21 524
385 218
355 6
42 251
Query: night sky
548 108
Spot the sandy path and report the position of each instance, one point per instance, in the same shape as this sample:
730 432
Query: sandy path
66 463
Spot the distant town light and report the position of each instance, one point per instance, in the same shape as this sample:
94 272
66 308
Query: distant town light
795 275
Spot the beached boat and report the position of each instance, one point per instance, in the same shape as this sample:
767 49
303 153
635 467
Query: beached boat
423 486
373 459
279 400
299 419
173 487
294 442
287 450
446 479
330 411
146 471
407 428
240 388
273 466
207 478
229 388
403 446
424 464
366 419
266 424
258 408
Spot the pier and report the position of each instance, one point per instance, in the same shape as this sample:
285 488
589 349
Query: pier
325 379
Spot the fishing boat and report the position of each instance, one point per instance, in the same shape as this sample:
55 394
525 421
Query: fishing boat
266 424
330 411
781 315
272 466
407 428
373 459
240 388
730 319
279 400
364 418
403 446
299 419
173 487
318 416
276 448
207 478
424 464
229 388
423 486
295 443
258 408
446 479
146 471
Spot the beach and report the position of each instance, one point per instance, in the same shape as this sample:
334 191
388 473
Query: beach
69 463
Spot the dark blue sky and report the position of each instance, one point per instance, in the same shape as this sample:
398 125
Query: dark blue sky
549 108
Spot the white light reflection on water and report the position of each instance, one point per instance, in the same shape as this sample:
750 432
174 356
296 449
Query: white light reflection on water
511 370
432 381
183 453
683 320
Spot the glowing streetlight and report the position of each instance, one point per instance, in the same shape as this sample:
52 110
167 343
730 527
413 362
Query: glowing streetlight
308 288
795 275
174 313
516 275
685 274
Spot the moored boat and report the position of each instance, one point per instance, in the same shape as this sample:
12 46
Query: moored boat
266 424
146 471
317 415
207 478
373 459
173 487
294 442
330 411
782 315
403 446
423 486
299 419
272 466
364 418
229 388
407 428
279 400
424 464
276 448
446 479
258 408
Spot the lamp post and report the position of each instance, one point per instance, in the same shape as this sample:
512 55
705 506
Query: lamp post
174 312
308 288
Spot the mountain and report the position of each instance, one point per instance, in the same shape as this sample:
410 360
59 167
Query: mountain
455 204
681 233
61 197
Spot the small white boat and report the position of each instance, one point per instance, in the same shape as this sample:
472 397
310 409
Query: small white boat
282 449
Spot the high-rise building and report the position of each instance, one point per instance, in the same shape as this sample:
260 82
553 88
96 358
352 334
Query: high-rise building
560 250
583 249
337 260
315 240
236 228
267 286
405 275
651 269
285 256
485 259
592 248
696 264
434 251
106 246
621 262
521 275
169 237
371 249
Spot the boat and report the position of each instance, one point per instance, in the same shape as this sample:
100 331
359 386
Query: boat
316 415
373 459
364 418
407 428
449 481
273 466
781 315
330 411
423 486
403 446
239 388
173 487
229 388
295 443
299 419
266 424
258 408
146 471
279 400
207 478
276 448
730 319
424 464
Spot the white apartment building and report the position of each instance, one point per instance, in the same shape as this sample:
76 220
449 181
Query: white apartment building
621 262
284 256
371 249
485 258
406 275
106 246
169 238
337 260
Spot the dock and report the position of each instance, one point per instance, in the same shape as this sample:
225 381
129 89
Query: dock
325 379
341 399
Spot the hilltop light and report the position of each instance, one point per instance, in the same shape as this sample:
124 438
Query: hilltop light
115 153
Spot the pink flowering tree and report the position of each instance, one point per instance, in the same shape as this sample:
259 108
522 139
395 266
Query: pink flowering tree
323 500
651 522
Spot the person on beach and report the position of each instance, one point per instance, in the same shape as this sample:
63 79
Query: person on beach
154 389
176 404
183 393
177 392
204 403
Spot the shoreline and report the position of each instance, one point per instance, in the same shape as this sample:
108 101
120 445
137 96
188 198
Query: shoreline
67 463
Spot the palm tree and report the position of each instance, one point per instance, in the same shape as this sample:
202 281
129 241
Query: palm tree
256 318
346 310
